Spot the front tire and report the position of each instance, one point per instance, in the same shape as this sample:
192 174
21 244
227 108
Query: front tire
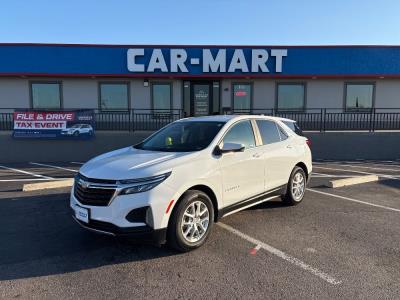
191 221
296 187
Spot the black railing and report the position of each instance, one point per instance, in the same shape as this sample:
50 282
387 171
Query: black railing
336 119
311 119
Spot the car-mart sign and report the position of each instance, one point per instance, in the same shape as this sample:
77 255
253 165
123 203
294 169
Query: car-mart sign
209 60
119 61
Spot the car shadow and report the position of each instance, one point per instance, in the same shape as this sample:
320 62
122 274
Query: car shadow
269 205
39 238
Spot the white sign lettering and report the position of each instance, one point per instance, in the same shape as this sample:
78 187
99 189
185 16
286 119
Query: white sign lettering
250 61
211 64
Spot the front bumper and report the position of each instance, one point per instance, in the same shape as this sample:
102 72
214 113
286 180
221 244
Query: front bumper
114 219
143 233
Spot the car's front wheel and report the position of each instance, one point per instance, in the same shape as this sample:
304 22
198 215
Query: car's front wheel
296 187
191 221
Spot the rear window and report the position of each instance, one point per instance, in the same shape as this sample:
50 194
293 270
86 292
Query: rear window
294 127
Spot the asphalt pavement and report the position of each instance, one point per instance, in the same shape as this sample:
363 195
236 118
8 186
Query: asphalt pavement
338 243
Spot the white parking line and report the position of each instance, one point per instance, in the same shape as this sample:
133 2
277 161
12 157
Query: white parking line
354 200
365 167
33 179
26 172
315 174
76 163
281 254
53 166
360 172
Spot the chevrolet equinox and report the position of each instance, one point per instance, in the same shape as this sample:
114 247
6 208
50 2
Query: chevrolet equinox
175 184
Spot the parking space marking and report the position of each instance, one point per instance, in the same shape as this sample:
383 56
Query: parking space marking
32 179
354 200
365 167
375 168
315 174
361 172
76 163
26 172
293 260
53 166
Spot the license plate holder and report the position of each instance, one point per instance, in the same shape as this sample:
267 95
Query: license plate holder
82 214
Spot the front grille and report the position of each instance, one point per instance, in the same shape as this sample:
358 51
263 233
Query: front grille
94 195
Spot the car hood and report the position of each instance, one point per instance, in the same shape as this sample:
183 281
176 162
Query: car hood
129 163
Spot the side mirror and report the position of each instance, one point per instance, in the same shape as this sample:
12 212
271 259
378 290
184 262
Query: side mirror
228 147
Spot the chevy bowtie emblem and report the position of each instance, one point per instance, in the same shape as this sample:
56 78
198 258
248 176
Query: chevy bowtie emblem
83 184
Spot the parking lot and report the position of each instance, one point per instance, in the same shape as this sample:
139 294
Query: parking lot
339 243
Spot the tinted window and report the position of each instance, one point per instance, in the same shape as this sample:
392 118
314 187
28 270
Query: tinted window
359 96
46 95
114 96
241 133
291 96
161 93
282 133
242 97
294 127
182 137
268 131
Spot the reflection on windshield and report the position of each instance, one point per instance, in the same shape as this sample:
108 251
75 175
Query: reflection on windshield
184 136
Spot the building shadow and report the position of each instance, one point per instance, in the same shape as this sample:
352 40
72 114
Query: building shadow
39 238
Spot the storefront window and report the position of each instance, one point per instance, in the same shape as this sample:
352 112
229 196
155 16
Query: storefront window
161 97
114 96
291 96
359 96
242 97
46 95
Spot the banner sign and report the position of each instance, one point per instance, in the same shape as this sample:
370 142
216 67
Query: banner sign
198 61
77 124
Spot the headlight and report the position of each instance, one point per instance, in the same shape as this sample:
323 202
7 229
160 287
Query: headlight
133 186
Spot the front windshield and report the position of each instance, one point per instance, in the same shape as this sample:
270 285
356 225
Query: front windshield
76 126
183 136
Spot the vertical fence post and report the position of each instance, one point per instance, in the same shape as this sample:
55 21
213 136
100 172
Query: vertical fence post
323 115
373 113
321 121
133 119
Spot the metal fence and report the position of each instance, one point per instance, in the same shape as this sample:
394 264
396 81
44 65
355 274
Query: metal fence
315 119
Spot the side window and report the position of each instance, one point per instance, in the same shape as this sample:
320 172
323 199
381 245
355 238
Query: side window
268 131
241 133
282 133
294 127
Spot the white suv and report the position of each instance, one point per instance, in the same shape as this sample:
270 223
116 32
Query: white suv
175 184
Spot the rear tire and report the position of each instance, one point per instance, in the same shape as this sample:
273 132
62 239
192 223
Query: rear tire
191 221
296 187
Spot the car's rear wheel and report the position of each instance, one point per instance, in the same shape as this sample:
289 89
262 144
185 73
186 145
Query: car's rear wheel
191 221
296 187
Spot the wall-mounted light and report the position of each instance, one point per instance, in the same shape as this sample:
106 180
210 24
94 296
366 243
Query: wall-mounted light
146 82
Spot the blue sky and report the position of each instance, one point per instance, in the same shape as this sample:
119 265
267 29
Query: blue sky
201 22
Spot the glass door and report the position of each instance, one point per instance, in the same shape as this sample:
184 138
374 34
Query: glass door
201 96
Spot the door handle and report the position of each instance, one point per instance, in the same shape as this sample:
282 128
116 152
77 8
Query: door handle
256 155
289 146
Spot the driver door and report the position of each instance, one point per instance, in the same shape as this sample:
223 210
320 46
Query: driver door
242 172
